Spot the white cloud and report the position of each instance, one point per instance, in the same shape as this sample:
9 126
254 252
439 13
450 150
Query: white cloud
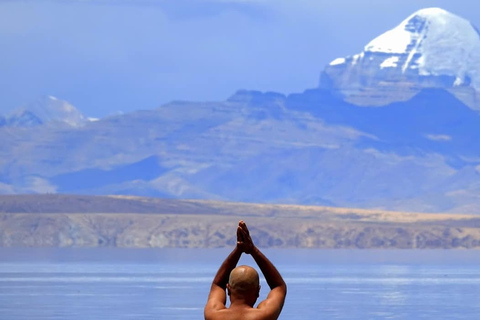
438 137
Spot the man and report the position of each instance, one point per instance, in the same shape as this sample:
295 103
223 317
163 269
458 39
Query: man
242 285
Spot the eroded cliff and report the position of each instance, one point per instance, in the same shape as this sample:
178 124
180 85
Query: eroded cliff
204 224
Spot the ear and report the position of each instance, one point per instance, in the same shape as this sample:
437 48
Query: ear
228 289
258 291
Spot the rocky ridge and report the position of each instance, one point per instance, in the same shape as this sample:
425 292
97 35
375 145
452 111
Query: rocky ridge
71 221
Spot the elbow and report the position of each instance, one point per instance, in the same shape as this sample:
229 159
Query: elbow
283 288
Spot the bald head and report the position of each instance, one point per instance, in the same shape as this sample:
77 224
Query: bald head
244 279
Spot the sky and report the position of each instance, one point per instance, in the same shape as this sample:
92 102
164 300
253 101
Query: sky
111 56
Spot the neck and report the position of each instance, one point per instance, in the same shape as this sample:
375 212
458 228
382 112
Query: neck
241 301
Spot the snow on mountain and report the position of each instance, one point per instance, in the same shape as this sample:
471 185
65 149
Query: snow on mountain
437 43
44 110
431 48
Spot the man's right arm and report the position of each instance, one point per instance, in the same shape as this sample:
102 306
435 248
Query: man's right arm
273 304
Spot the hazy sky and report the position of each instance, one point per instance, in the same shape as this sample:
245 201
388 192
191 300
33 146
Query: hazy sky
106 56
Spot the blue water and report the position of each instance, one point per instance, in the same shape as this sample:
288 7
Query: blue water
173 284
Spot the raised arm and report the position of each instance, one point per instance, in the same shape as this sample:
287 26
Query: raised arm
273 304
217 297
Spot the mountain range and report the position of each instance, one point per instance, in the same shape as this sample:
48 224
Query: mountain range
395 127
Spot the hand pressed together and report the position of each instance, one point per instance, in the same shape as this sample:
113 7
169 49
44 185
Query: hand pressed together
244 241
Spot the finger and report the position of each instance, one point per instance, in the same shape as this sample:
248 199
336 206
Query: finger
245 229
239 233
245 236
243 225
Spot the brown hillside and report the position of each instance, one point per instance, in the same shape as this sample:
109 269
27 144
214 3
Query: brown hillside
120 221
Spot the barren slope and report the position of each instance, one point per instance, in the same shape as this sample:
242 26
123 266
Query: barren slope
85 221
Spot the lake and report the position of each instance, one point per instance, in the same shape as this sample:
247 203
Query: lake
120 284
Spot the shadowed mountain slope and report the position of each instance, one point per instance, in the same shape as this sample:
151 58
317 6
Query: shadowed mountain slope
310 148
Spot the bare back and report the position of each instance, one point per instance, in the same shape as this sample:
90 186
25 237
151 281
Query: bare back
247 313
268 309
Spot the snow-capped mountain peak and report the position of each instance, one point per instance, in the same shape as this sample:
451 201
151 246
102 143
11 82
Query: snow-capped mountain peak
47 109
430 48
414 29
437 43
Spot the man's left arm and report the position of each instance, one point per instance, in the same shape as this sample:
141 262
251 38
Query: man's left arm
217 297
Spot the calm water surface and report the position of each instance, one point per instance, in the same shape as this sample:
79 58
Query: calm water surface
173 283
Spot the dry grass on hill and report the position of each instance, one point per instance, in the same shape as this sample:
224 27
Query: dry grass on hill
125 221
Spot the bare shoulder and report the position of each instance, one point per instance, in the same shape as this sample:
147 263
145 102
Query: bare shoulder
273 304
262 313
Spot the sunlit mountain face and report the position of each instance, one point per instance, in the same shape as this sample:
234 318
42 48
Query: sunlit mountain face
432 48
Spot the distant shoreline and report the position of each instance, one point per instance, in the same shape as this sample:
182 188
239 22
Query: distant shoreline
211 256
51 221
